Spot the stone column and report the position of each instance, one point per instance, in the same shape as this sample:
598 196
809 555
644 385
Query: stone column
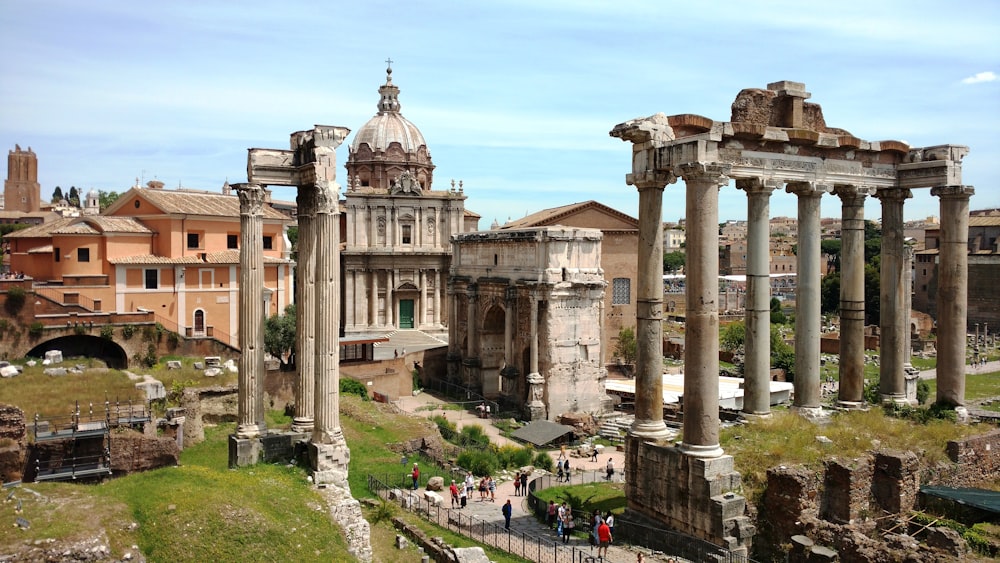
472 295
649 306
852 296
423 300
373 321
437 298
757 363
305 313
510 316
892 317
807 296
390 305
250 409
701 342
536 390
952 293
327 399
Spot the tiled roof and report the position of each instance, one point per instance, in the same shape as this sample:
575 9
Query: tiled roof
223 257
549 216
984 221
198 203
89 225
43 230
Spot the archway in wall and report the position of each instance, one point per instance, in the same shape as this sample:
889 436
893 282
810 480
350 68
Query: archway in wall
84 345
199 322
491 349
408 305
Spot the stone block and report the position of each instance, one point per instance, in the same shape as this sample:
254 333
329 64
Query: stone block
433 498
435 483
896 481
276 447
55 371
199 365
212 372
174 364
948 540
243 451
153 389
820 554
53 357
8 371
401 542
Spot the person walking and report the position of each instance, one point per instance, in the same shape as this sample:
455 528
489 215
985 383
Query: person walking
507 511
609 519
454 493
415 475
463 497
470 484
517 484
604 539
610 468
492 486
524 483
568 527
559 471
566 470
593 454
550 514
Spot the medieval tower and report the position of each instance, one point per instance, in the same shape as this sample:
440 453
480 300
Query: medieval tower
21 189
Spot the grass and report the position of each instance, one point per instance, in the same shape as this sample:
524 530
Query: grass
788 439
977 386
588 497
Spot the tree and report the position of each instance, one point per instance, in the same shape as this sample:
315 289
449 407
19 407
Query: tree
6 229
73 197
830 293
626 348
733 336
279 335
777 315
107 198
673 261
831 248
57 195
293 239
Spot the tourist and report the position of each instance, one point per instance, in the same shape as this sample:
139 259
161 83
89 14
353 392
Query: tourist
568 527
550 514
559 471
454 493
566 470
524 482
561 513
463 496
415 474
609 519
593 454
517 484
482 489
506 510
492 485
470 484
487 411
611 468
604 539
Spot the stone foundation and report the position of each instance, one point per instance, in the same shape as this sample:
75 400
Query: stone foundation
329 463
691 495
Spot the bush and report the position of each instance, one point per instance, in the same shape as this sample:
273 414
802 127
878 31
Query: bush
350 386
16 297
149 360
173 339
128 331
479 462
923 391
473 435
543 461
80 328
35 329
108 332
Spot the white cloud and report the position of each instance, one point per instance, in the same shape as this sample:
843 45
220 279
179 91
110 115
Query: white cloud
988 76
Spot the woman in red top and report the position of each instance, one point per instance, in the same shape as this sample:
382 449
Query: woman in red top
603 538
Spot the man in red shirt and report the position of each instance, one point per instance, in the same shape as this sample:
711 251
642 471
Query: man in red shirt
603 539
454 493
415 474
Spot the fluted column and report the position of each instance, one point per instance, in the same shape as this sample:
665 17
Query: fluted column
305 313
649 306
807 295
757 362
437 298
327 400
892 317
250 410
373 307
952 293
701 341
852 296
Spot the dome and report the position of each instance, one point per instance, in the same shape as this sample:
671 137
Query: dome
388 145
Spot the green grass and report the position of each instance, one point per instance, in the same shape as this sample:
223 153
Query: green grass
977 386
589 497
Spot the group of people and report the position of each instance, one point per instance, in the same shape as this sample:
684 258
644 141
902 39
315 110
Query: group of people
562 470
460 493
601 527
521 483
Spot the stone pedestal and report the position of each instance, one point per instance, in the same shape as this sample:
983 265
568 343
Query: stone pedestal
536 391
244 451
329 462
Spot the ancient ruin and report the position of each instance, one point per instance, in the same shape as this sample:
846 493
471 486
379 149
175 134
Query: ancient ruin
527 311
774 138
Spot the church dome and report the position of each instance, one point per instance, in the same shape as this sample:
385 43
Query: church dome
387 145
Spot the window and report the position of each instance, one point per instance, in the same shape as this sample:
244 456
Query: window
268 243
232 241
406 234
57 254
83 255
193 240
621 289
152 278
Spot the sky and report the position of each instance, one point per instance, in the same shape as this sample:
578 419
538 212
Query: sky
515 98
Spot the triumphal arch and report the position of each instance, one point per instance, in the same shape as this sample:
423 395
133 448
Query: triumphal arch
774 139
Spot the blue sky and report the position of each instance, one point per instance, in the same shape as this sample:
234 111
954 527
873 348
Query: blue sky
515 98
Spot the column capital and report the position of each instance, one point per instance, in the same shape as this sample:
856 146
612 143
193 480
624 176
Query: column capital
650 179
252 197
708 172
758 185
326 196
808 189
851 194
893 194
953 192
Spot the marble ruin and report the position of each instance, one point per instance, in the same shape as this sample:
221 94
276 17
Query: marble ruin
526 318
774 139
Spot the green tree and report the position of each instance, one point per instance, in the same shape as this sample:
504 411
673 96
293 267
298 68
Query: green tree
107 198
830 293
626 348
777 315
279 335
831 248
673 261
733 336
873 305
57 195
73 197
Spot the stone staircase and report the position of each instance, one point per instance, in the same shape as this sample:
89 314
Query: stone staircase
403 341
614 429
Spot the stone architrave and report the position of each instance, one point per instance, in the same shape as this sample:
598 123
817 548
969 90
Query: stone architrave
250 408
701 343
649 307
305 316
852 296
893 320
807 296
952 293
757 363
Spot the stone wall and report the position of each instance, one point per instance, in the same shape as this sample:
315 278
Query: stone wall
132 452
12 440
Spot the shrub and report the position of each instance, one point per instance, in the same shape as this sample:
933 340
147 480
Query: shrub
149 360
923 391
108 332
479 462
35 329
353 387
128 331
173 339
16 296
80 328
543 461
473 435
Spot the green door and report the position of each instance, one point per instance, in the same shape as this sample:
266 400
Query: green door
405 313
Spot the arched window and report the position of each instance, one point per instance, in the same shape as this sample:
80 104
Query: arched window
199 321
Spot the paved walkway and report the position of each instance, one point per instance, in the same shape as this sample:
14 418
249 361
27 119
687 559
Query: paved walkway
990 367
523 522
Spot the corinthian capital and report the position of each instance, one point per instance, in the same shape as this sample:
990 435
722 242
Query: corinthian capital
758 185
252 198
808 189
853 195
650 179
894 194
327 194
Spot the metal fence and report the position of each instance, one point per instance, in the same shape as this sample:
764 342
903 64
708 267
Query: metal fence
528 546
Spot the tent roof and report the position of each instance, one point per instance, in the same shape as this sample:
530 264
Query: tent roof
978 498
541 432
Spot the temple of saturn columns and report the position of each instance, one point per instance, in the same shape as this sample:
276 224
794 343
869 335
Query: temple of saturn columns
310 165
774 139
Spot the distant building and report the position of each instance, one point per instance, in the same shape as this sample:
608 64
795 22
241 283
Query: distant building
21 191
